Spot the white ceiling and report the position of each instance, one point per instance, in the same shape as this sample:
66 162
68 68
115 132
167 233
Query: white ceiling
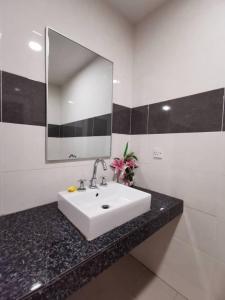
66 58
135 10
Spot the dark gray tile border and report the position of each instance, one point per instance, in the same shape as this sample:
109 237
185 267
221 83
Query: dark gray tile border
223 119
67 130
102 125
97 126
121 119
23 100
77 129
139 120
196 113
53 130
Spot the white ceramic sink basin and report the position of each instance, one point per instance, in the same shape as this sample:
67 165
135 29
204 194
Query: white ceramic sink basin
96 211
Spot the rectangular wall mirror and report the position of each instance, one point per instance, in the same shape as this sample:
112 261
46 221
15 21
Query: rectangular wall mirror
79 100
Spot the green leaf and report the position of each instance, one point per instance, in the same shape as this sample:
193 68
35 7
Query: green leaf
131 155
125 150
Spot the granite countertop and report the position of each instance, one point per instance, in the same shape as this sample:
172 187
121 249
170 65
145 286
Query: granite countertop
43 256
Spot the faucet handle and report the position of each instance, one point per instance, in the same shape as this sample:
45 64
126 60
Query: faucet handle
82 185
103 182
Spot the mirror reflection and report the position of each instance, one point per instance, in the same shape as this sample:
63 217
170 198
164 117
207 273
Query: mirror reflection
79 93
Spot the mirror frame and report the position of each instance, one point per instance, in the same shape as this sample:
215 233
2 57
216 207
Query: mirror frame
46 84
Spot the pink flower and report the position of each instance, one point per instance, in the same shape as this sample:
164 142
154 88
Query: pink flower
131 163
118 164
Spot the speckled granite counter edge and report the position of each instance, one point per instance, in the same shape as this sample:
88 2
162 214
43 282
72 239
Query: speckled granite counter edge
67 283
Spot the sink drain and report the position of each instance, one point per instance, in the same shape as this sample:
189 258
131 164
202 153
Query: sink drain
105 206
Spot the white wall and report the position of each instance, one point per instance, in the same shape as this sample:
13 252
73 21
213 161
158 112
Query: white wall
91 23
87 94
83 147
54 105
90 91
179 50
25 178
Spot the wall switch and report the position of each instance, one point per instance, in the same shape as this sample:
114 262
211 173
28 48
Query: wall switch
157 153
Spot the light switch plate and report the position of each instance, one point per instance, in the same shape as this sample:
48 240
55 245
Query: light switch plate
157 153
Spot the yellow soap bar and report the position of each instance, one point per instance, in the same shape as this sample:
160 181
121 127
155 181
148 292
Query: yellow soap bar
72 189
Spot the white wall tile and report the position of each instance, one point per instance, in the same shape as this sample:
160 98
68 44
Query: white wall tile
97 97
54 148
27 180
193 164
218 287
220 201
170 59
185 268
156 289
192 169
91 23
82 147
199 190
197 229
26 189
152 251
186 150
29 188
23 147
118 144
220 240
180 297
126 279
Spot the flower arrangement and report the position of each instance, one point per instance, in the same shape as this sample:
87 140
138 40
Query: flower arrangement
124 167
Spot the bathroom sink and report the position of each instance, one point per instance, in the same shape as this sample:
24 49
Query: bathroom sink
96 211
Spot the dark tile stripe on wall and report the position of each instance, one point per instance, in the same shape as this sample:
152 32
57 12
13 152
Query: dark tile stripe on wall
139 120
102 125
223 121
23 100
121 119
77 129
53 130
97 126
196 113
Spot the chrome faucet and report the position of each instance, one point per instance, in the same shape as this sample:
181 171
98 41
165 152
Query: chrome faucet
93 181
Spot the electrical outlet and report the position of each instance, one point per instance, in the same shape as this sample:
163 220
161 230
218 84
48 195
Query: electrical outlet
157 153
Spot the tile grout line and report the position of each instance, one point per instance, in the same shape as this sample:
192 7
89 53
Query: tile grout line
151 271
